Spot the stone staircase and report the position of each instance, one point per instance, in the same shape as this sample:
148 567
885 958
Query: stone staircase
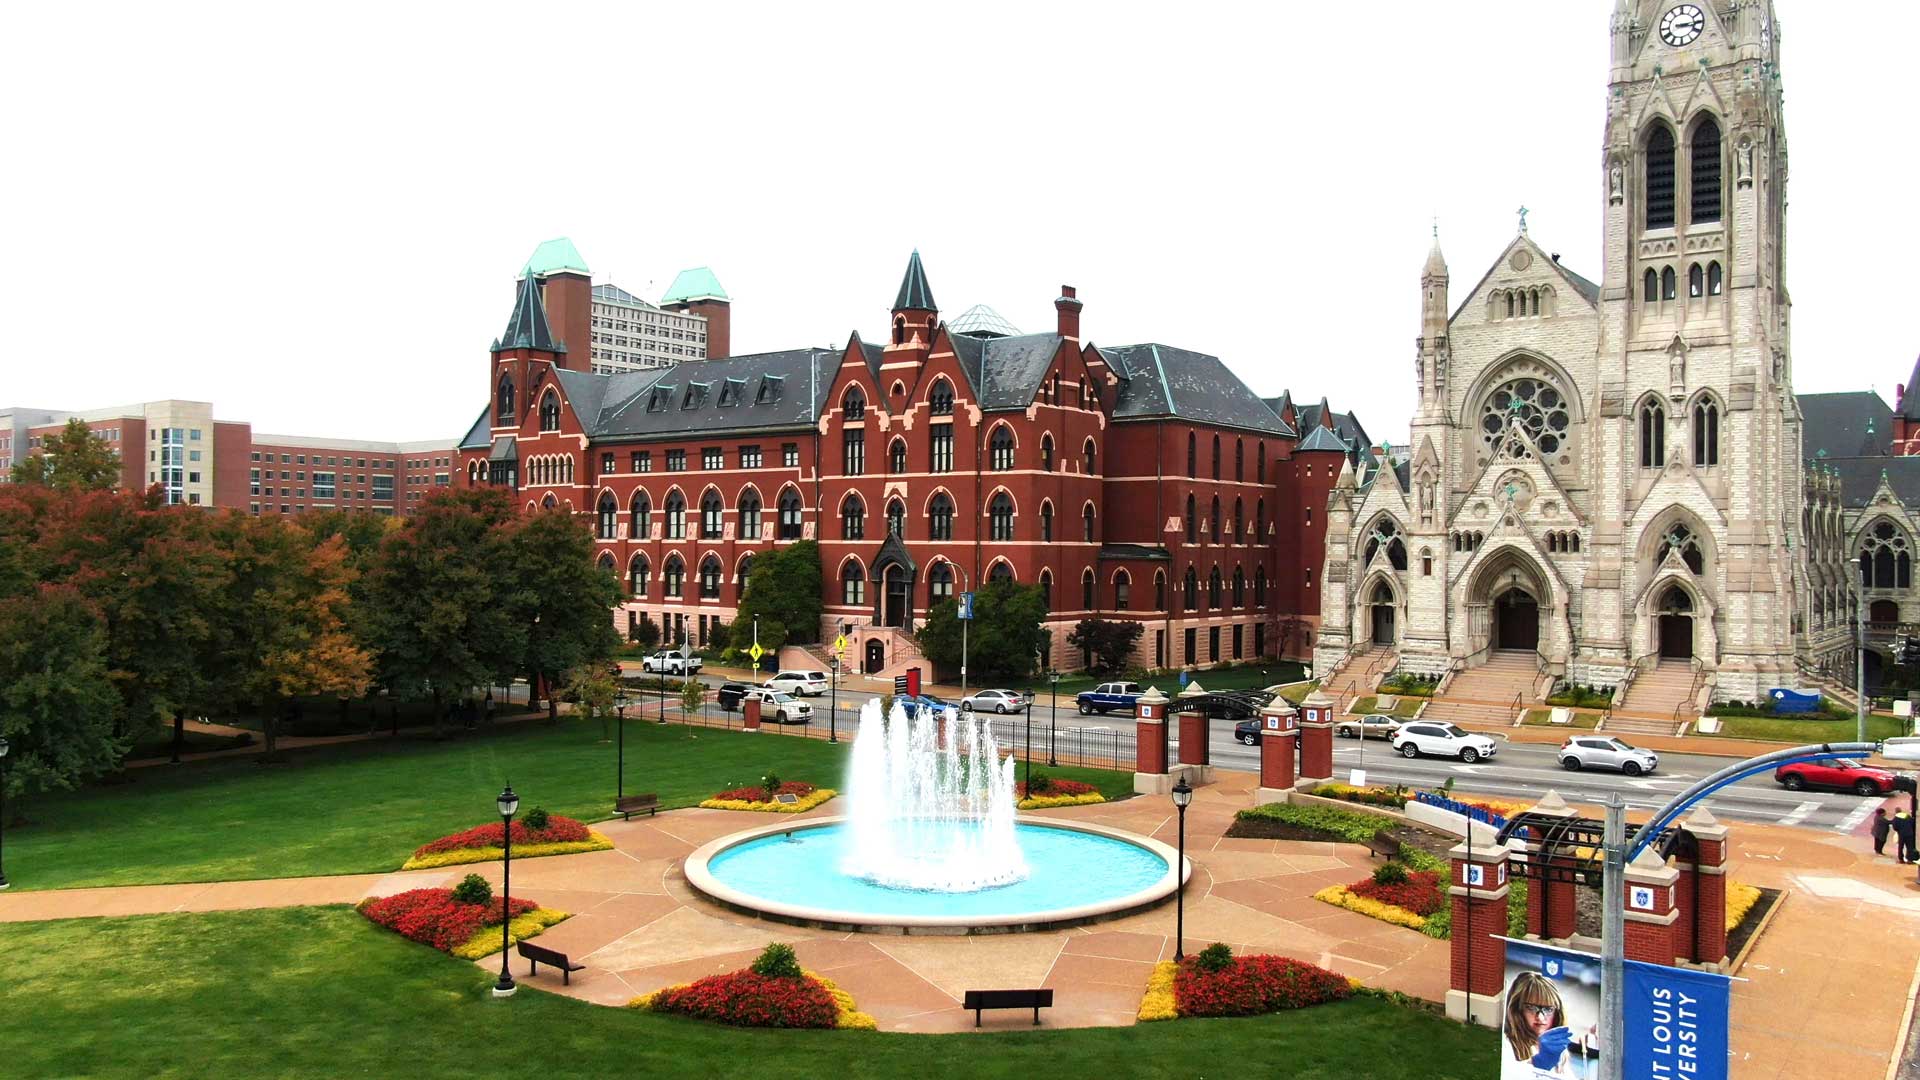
1648 706
1483 696
1358 674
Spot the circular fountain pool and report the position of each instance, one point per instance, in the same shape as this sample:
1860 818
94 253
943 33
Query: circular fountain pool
1076 873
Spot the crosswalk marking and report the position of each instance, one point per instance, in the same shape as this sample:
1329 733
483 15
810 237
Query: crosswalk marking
1799 813
1852 821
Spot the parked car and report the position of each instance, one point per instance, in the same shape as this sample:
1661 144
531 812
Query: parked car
670 662
1843 773
800 683
1106 697
1604 752
779 707
999 701
1371 726
731 694
913 705
1442 740
1247 732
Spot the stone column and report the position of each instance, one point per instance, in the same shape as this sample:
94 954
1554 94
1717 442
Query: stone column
1279 730
1193 729
1478 892
1316 738
1651 912
750 709
1550 904
1150 744
1708 944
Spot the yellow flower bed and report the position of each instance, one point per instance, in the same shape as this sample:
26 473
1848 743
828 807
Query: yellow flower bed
594 842
1158 1003
487 942
803 803
1339 896
1048 802
845 1016
1740 901
645 1001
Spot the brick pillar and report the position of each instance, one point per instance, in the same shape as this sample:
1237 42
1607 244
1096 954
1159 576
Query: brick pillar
1710 897
1651 913
1279 730
1316 738
1193 728
1479 896
1550 904
750 708
1150 744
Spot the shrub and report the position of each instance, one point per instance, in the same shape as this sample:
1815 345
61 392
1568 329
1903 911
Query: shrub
1044 785
1214 958
1391 873
759 793
1416 892
1371 796
771 783
1158 1002
777 961
1350 826
556 830
746 999
433 917
1252 985
537 819
1037 784
473 889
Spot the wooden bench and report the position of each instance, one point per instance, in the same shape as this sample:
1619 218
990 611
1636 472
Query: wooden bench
535 956
1383 845
633 804
1007 999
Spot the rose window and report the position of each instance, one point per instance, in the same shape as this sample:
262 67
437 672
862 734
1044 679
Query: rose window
1535 406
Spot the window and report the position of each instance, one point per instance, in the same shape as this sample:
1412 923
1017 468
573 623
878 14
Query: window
940 439
1193 652
750 457
608 513
1715 280
1159 590
1122 591
1660 178
503 402
897 518
790 455
1086 590
1087 457
1213 588
1046 522
1653 435
1193 522
1086 523
789 515
639 516
939 582
1000 446
1885 561
854 447
606 463
1193 455
1190 589
1261 475
643 461
712 512
1046 589
897 456
1704 205
1260 519
710 578
1696 282
1651 293
853 584
676 460
1046 453
940 398
1213 644
854 405
550 412
1239 588
1213 521
1668 284
1260 587
1386 535
853 518
940 517
1681 539
1706 433
1000 512
1239 522
1001 571
1216 457
676 517
711 457
676 577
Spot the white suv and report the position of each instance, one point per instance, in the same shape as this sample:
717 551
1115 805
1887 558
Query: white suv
1442 740
999 701
802 683
780 708
1601 751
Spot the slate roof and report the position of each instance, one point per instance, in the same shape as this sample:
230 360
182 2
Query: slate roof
527 328
1909 403
1005 372
1836 425
1860 478
915 293
476 436
1344 425
1319 438
1162 380
775 390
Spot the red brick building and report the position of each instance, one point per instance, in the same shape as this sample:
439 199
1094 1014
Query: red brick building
1139 482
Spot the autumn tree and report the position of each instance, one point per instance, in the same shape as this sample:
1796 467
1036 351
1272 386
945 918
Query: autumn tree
57 706
564 601
74 460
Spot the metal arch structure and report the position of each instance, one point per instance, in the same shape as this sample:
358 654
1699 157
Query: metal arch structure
1659 825
1222 704
1570 848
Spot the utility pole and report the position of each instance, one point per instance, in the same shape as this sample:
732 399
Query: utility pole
1860 664
1613 929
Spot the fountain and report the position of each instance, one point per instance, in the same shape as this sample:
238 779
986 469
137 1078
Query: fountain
931 843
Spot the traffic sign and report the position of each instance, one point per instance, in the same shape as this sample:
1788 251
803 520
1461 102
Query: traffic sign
840 644
756 652
966 605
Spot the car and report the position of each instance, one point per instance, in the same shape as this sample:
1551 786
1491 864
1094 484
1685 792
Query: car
670 662
800 683
731 694
1247 732
1606 752
779 707
1442 740
1374 726
1834 772
999 701
912 705
1109 696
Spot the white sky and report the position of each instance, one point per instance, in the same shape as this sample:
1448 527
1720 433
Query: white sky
313 220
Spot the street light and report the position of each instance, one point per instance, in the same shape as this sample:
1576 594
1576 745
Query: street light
508 802
833 698
1053 718
1182 795
620 740
3 803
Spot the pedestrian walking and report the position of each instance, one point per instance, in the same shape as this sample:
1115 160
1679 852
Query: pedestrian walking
1903 830
1882 825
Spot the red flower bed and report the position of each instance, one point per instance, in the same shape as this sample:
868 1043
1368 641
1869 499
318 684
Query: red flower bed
433 917
1253 985
1055 787
759 794
1420 893
559 830
748 1000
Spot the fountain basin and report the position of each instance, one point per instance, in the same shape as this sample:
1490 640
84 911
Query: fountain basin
1079 873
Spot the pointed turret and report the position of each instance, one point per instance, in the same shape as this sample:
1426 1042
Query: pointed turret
915 314
1431 370
527 328
915 293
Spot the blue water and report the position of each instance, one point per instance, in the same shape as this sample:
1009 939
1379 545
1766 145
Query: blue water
1066 869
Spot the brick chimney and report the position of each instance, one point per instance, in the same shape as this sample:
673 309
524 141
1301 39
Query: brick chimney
1069 308
568 297
719 316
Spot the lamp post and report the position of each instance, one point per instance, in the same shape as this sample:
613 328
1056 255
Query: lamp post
833 699
620 740
3 805
1053 718
1182 795
508 802
1028 714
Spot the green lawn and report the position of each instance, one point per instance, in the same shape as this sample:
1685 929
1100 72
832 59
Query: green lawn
1585 721
1785 729
1403 708
322 992
363 807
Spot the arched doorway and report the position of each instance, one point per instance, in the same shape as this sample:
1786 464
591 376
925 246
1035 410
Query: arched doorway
1884 611
1383 615
1516 620
896 592
876 656
1676 624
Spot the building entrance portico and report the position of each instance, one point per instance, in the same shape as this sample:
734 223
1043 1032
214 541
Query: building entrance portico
1516 620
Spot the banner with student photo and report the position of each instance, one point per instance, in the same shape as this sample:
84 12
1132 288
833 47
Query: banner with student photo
1550 1013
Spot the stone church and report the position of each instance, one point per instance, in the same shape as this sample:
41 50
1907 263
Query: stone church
1606 474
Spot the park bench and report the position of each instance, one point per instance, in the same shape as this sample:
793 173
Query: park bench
633 804
535 956
1383 845
1007 999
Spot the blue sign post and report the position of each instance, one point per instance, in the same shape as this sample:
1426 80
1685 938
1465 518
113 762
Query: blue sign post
966 605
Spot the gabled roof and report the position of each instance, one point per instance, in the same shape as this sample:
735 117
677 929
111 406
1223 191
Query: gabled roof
527 327
915 293
776 390
695 284
1860 478
1005 372
476 436
1909 403
1319 438
552 257
1836 424
1345 425
1587 289
1163 380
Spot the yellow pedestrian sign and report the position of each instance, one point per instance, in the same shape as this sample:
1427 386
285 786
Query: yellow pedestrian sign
756 652
840 645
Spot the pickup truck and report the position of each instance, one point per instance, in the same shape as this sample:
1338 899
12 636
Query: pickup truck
1108 696
670 662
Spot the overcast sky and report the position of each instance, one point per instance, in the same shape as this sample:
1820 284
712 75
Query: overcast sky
311 216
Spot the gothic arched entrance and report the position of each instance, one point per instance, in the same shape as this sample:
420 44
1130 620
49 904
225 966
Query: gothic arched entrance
1383 619
1676 624
876 656
1516 620
896 592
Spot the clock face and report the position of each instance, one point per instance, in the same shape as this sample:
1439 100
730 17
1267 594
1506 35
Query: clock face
1682 25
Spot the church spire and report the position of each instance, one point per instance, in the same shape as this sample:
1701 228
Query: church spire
527 328
915 293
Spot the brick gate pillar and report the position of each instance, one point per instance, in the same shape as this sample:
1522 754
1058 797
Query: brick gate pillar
1150 744
1708 943
1316 737
1193 728
750 709
1651 910
1279 730
1550 904
1478 893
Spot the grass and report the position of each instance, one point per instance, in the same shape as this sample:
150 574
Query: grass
323 992
362 807
1784 729
1585 721
1297 692
1403 708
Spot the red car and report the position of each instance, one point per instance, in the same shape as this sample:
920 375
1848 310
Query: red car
1843 773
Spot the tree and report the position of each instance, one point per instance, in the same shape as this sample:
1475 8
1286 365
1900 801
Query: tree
1109 643
74 460
564 601
1293 628
1007 633
784 584
57 706
593 689
646 633
773 634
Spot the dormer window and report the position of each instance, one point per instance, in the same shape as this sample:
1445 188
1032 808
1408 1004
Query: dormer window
731 390
661 398
696 395
769 391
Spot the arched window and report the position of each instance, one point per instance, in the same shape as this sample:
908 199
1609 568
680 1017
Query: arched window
1669 287
1239 459
609 513
790 509
1159 590
1886 561
712 512
1259 520
1001 571
1652 294
1239 521
1705 174
676 517
1122 590
1086 590
1193 522
1696 282
853 584
940 517
1087 458
710 578
1706 433
940 398
1386 535
1214 588
566 471
1653 435
675 577
606 564
939 582
897 518
1716 281
1660 177
1190 589
1216 457
1000 511
1260 476
1193 455
1213 521
637 576
1260 586
1046 452
550 412
1086 523
503 405
1239 587
899 329
749 515
1000 445
853 518
1680 538
1046 521
639 516
897 456
745 573
853 407
1046 589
